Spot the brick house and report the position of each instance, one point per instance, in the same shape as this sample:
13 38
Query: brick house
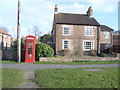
116 42
106 42
5 40
76 34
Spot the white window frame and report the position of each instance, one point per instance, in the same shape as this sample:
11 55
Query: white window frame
84 44
89 33
69 31
106 34
64 44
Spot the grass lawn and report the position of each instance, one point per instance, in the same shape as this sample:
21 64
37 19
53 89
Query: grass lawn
66 63
7 61
77 78
11 78
0 78
80 62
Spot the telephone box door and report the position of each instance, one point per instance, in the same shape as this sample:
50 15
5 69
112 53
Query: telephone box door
30 49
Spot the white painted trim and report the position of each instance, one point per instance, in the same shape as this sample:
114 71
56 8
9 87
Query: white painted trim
69 30
30 38
86 30
69 42
88 41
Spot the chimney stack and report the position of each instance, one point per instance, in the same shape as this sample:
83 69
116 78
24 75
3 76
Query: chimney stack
90 11
56 9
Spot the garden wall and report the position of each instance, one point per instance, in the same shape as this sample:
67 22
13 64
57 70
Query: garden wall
0 54
82 58
9 55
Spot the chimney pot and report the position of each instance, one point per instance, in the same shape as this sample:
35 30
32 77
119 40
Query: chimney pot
90 11
56 9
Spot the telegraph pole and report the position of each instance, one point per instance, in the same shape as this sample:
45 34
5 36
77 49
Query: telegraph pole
18 34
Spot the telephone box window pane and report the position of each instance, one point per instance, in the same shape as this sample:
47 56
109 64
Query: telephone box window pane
29 50
30 43
29 56
29 46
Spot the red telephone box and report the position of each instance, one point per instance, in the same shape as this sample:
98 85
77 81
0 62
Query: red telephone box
30 49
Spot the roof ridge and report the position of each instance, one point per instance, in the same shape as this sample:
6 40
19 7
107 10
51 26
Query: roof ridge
3 32
73 14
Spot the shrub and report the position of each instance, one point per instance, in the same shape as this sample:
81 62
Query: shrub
101 55
93 52
44 50
81 61
113 53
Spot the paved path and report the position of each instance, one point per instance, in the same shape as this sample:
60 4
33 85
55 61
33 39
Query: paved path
33 67
28 85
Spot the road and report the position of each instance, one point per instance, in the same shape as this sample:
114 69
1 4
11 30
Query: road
27 67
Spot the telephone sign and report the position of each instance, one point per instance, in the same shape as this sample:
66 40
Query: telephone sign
30 49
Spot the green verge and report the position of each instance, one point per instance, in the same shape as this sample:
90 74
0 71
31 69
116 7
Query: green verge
11 78
0 78
77 78
8 61
79 62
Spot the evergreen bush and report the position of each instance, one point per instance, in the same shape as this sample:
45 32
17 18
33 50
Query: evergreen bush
44 50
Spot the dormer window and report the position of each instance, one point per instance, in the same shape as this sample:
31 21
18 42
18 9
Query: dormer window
89 31
66 30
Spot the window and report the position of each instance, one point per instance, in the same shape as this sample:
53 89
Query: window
66 30
88 45
89 31
105 48
106 34
66 44
49 43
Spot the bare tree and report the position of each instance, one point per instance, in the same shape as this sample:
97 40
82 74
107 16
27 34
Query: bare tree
49 32
36 31
5 29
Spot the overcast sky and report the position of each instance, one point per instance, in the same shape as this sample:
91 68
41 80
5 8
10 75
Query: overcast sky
40 13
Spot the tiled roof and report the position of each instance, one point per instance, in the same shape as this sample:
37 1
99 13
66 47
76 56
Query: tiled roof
3 32
75 19
105 28
12 39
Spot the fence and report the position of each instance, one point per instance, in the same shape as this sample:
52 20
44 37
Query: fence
0 54
9 55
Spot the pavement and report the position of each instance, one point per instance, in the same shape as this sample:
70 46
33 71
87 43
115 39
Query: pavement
30 68
28 85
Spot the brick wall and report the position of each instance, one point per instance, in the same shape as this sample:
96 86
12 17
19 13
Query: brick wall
82 58
116 43
105 40
76 38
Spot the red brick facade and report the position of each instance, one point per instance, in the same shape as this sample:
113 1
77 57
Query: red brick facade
116 43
